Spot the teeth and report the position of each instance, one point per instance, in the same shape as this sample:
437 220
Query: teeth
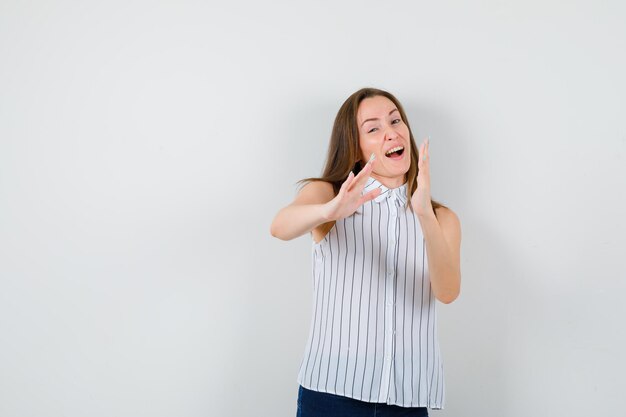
392 150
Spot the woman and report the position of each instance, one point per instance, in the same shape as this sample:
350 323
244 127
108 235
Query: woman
383 251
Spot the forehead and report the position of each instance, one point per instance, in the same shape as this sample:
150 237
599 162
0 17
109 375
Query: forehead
374 107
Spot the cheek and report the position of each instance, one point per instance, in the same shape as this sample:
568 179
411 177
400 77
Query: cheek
362 147
367 147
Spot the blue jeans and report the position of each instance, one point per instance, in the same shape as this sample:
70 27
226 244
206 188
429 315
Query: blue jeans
321 404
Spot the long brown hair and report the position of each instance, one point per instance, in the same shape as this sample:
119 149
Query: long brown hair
344 153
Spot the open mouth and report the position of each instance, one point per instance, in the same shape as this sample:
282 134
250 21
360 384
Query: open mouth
395 153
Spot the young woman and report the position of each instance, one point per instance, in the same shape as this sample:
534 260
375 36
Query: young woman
383 251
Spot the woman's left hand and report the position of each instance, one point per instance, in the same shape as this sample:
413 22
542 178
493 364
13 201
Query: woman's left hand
421 197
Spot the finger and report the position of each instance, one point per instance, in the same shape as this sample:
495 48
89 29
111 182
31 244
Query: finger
347 182
370 196
361 179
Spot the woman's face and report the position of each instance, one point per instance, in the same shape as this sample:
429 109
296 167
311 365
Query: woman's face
383 133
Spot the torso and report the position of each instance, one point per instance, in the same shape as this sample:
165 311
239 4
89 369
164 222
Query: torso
373 333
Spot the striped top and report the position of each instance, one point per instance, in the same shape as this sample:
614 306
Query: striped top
373 334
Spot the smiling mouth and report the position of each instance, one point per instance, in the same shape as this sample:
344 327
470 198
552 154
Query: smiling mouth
395 153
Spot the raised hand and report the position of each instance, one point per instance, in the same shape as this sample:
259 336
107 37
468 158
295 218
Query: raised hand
349 198
420 200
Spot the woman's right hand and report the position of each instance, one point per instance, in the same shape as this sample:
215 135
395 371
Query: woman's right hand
349 198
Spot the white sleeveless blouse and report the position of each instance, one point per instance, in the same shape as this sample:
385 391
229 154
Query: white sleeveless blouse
373 334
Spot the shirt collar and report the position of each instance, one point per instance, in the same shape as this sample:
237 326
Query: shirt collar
385 192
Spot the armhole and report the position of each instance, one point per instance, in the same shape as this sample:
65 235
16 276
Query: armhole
321 231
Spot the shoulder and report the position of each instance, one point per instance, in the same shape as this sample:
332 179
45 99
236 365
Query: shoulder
315 192
446 214
449 221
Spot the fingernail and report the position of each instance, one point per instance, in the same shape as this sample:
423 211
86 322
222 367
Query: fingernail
372 157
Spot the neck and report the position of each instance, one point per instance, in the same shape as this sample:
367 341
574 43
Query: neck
389 182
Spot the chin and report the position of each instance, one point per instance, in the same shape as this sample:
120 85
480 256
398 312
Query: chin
403 172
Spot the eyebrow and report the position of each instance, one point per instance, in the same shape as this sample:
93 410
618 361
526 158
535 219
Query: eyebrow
375 118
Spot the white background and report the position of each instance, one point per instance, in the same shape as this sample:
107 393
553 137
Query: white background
145 147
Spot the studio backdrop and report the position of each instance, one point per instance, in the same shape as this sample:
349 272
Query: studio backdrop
145 147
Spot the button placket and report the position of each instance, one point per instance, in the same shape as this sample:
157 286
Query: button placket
390 330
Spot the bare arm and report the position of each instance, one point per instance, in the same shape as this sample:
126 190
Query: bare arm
442 234
305 213
443 244
316 205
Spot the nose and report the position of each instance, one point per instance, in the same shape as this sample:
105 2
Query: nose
390 134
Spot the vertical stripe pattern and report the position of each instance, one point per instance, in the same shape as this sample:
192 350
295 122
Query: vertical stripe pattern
373 334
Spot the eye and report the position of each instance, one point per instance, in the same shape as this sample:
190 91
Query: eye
396 121
372 130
